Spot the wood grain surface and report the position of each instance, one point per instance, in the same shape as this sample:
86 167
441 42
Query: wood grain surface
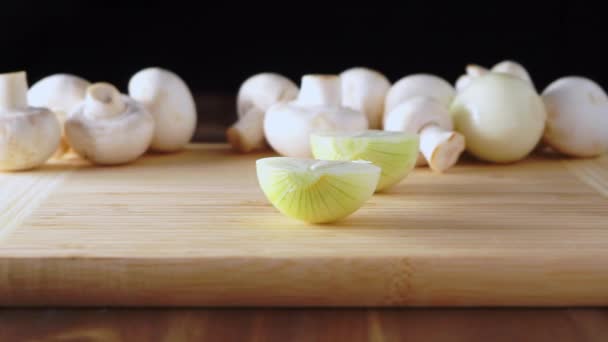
193 228
429 325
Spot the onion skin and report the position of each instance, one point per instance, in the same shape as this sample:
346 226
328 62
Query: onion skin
501 116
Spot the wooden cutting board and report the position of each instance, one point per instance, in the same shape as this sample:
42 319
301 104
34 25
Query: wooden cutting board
193 228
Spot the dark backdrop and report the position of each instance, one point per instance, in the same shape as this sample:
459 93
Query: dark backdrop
215 47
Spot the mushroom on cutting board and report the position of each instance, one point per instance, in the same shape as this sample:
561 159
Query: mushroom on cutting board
439 144
28 135
577 117
61 93
108 127
426 85
288 125
365 90
418 85
167 97
255 96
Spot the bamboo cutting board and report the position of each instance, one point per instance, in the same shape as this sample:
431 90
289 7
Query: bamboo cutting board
193 228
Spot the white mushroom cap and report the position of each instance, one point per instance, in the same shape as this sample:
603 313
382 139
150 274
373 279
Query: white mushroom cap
440 146
109 128
167 97
263 90
28 135
364 90
61 93
255 96
419 85
288 125
577 117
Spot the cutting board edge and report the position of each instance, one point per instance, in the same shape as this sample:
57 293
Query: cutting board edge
338 281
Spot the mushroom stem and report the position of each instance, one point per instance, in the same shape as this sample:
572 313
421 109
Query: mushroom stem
320 90
103 100
13 90
440 147
247 133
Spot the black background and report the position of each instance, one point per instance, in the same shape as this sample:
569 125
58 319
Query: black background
214 48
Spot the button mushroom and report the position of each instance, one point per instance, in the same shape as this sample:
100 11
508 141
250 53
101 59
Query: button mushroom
440 146
288 125
501 117
61 93
255 96
424 85
28 135
364 90
109 128
419 85
577 117
167 97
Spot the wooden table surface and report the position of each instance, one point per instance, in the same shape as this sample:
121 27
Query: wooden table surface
452 325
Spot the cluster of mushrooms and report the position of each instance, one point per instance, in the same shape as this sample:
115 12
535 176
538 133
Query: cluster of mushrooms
495 114
64 112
